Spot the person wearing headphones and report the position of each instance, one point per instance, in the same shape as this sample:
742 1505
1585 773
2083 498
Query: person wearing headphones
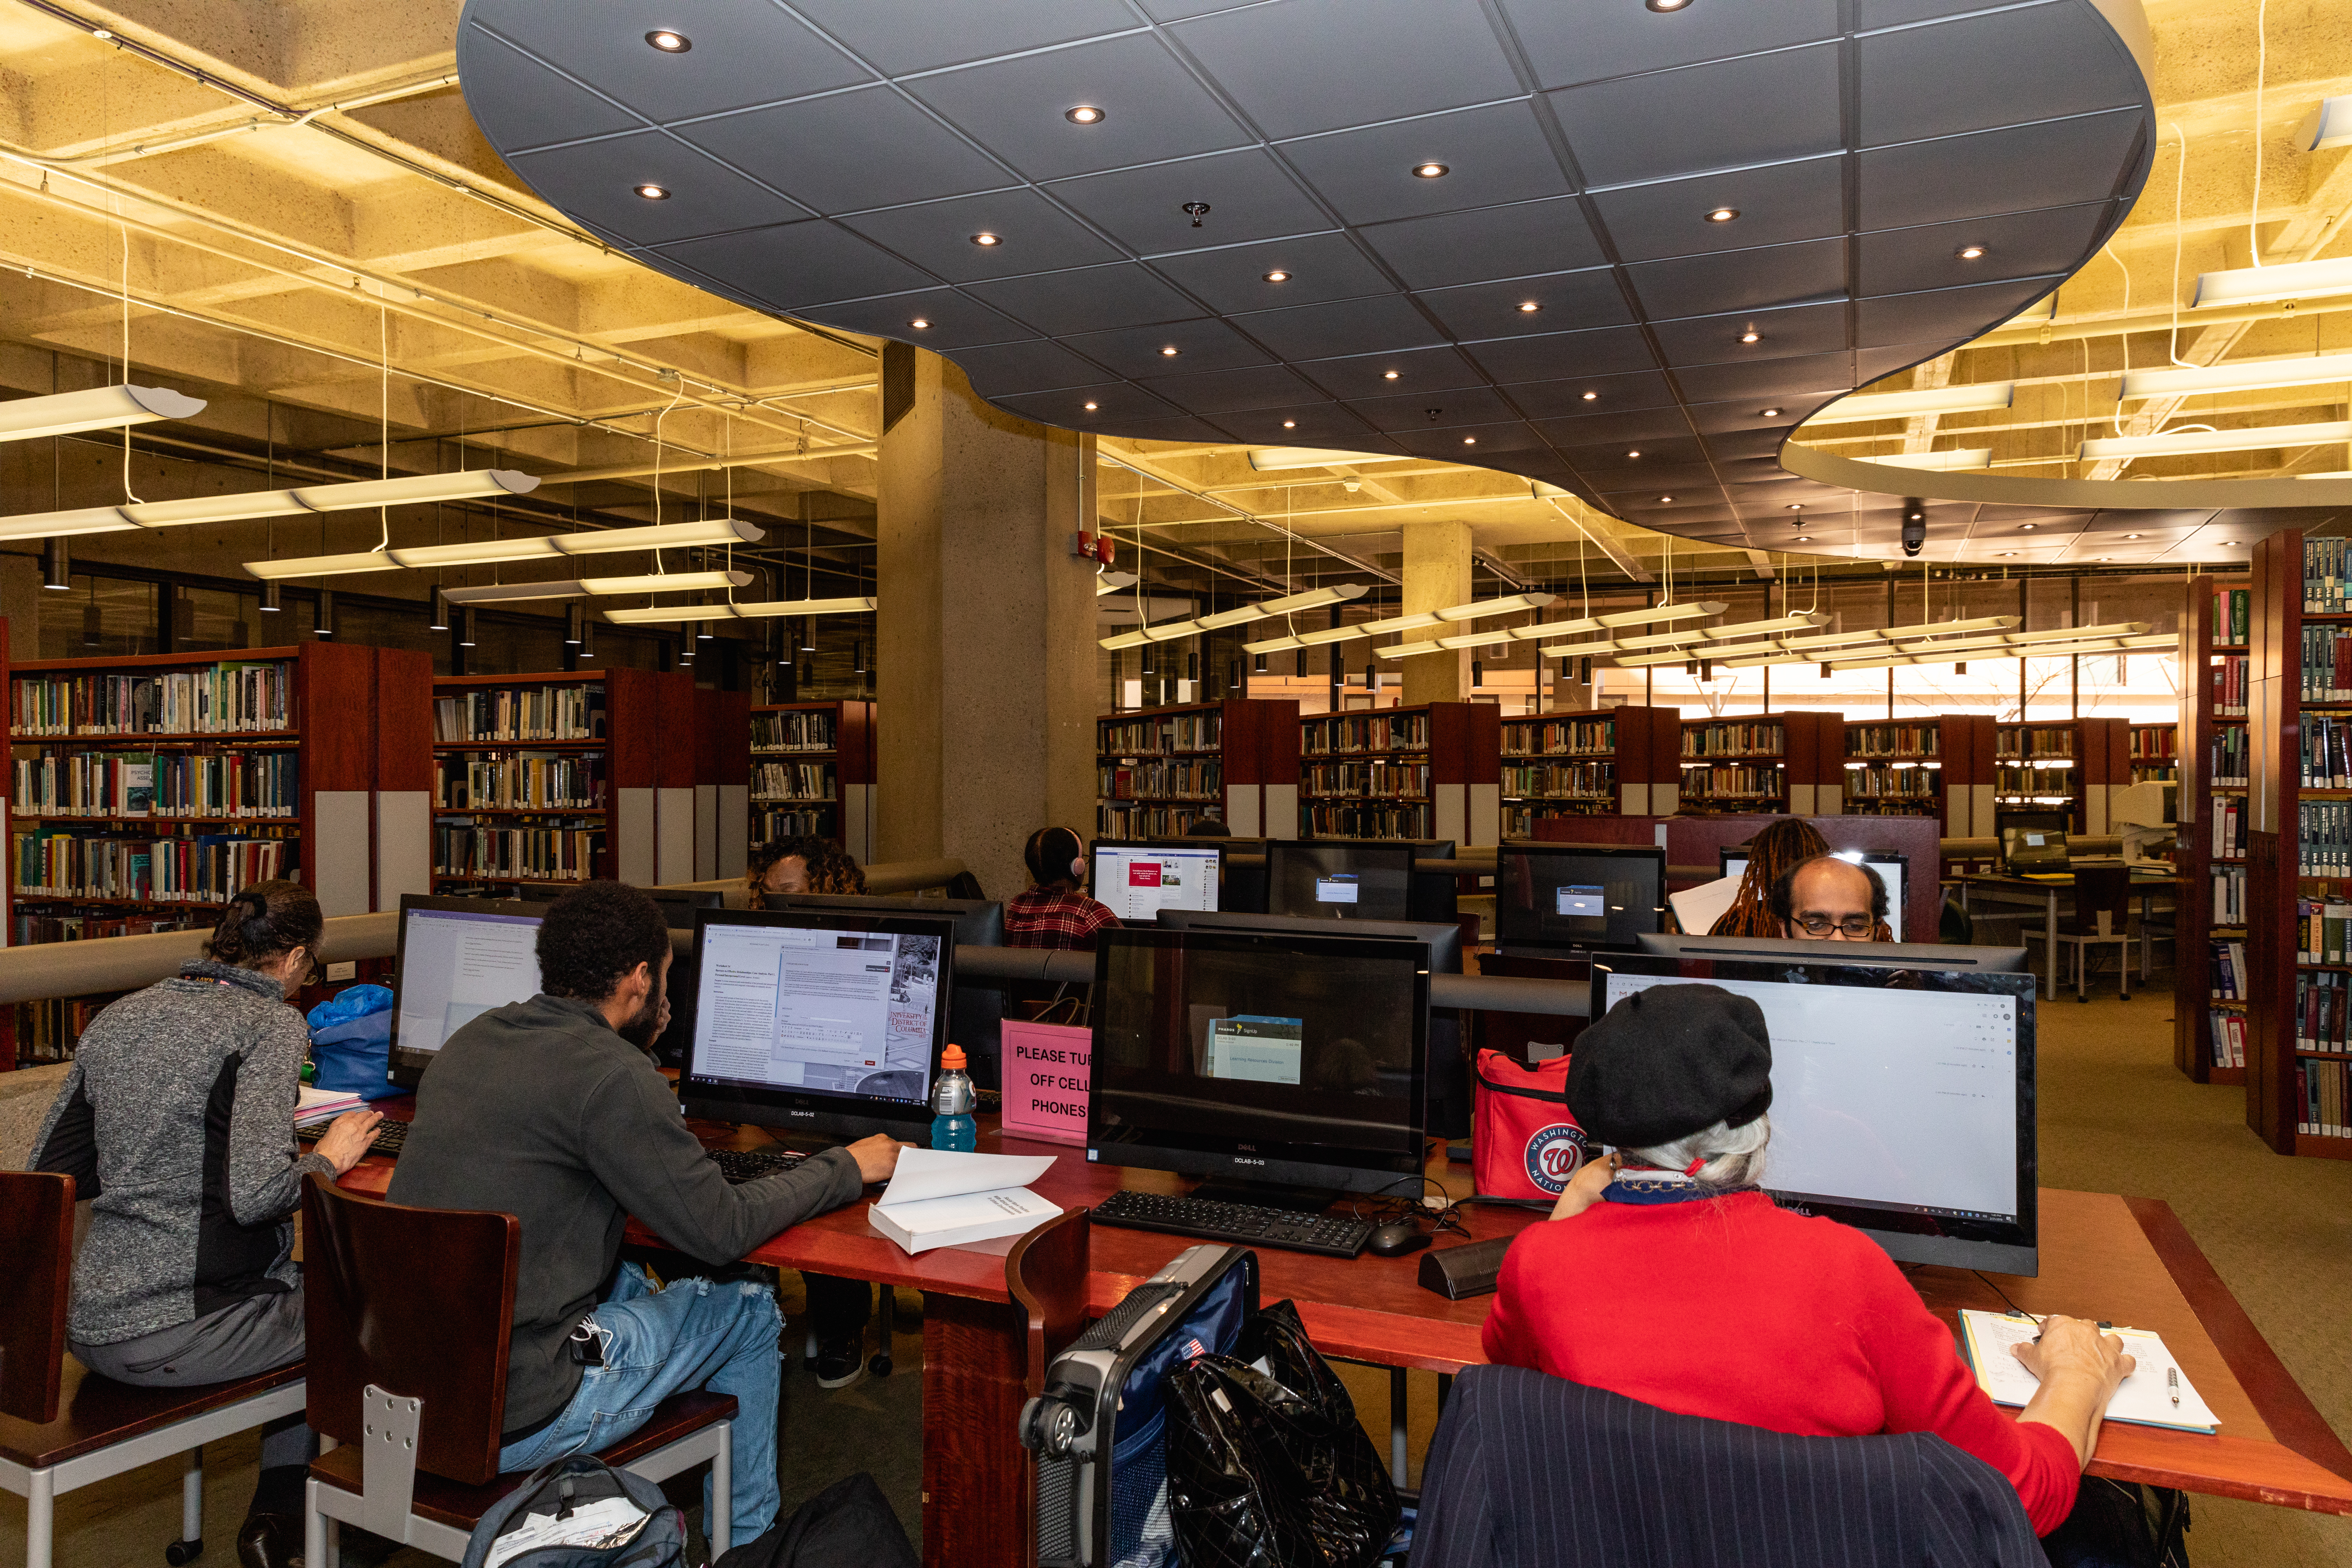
1054 912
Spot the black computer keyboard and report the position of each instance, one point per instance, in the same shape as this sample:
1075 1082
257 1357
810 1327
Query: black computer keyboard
1243 1224
740 1165
390 1136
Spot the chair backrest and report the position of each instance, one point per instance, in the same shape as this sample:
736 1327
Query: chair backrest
1046 1272
37 1216
2102 890
419 1302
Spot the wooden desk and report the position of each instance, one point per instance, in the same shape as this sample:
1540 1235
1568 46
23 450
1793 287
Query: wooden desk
2128 1260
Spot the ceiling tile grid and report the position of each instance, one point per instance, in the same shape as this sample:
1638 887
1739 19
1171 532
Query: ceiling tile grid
1559 224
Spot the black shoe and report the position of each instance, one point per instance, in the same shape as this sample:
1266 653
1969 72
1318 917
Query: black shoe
270 1540
840 1363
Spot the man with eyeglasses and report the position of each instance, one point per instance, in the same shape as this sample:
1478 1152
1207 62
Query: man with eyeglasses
1826 899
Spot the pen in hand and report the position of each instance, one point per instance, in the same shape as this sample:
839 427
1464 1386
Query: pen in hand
2172 1381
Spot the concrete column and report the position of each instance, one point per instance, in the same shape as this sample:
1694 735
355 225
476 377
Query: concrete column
1436 575
986 680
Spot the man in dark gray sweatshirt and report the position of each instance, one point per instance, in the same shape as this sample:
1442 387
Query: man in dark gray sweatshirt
551 1110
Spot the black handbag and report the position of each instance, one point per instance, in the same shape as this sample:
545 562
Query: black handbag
1271 1469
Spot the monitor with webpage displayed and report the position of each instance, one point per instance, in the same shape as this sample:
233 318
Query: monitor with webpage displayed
455 959
1136 881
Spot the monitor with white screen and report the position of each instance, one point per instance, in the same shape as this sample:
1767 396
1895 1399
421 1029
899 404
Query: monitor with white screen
1889 867
455 959
1139 880
822 1023
1903 1099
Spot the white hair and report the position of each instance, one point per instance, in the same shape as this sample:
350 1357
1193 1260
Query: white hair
1734 1156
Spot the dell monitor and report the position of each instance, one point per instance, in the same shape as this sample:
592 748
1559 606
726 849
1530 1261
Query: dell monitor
826 1024
1442 938
1886 866
1903 1099
1136 881
455 960
979 922
1337 880
1553 899
1274 1060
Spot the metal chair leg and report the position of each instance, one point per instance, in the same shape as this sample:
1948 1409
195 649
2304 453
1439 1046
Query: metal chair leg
40 1520
190 1544
720 1527
1396 1426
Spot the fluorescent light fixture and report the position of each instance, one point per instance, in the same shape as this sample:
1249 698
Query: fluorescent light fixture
593 587
1168 631
655 614
100 408
1265 458
2244 375
1771 652
406 491
2331 124
1926 400
1939 462
1693 637
2056 650
2262 285
536 547
2252 438
1114 582
2024 645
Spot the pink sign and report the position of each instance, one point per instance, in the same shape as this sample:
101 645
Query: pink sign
1045 1071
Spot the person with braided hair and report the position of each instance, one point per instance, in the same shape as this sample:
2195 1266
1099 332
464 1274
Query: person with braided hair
178 1120
1786 844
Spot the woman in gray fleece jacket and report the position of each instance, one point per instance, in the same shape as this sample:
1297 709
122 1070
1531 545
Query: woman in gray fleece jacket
177 1122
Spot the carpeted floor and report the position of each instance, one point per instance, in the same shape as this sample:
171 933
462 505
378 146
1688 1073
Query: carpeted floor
2115 1118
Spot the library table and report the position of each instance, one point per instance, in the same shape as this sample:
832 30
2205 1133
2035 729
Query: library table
2127 1260
2146 884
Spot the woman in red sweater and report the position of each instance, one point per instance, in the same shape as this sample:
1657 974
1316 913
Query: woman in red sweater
1667 1276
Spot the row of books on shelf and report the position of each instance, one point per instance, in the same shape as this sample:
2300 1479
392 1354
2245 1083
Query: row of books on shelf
1364 822
1554 781
47 1031
2231 683
794 731
2327 664
54 925
1734 740
1562 738
1892 784
2231 816
793 781
2322 931
2323 832
2321 1023
1731 783
220 698
2322 760
2154 742
1519 821
237 784
2323 577
770 825
2229 1032
1893 740
195 868
522 854
2325 1089
1202 779
2230 760
2230 895
2018 740
521 713
1118 820
518 780
1365 733
2156 773
1389 780
2233 616
2225 967
1168 733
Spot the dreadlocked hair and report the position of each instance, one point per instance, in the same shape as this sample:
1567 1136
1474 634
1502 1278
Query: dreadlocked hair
831 869
1787 843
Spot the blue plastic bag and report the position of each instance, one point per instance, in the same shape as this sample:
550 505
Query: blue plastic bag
351 1042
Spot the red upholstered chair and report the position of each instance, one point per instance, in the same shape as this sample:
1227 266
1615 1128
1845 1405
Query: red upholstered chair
62 1424
410 1313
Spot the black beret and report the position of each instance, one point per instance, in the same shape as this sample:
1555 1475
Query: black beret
1669 1061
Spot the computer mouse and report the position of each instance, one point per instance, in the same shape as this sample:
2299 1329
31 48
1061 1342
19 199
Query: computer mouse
1395 1237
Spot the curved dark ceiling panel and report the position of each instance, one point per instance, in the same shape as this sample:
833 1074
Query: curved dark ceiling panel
1487 231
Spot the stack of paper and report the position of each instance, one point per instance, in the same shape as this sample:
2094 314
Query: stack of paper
316 1104
2146 1398
1698 909
942 1199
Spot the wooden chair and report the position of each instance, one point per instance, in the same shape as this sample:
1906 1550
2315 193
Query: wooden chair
410 1314
63 1426
1046 1272
2102 918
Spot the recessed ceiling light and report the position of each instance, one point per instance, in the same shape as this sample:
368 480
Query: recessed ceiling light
1469 440
1169 351
1796 506
1804 539
1429 171
1635 453
1667 4
669 42
2225 541
1722 215
1083 114
2027 527
1530 307
2131 536
1277 276
1664 498
2106 558
1751 336
2008 553
1970 252
1388 375
984 238
101 33
1092 406
920 323
1591 396
1291 424
1768 413
654 192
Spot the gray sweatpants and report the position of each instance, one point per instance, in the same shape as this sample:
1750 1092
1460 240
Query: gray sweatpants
238 1342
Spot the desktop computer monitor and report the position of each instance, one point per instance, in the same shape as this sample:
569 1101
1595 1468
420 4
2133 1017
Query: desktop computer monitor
678 904
1136 881
1903 1098
2024 849
1889 867
1337 880
979 922
1274 1059
455 959
828 1024
1551 897
1442 940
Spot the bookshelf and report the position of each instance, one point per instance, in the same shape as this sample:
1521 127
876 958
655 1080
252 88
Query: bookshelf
1158 768
2060 764
1429 770
2296 842
1940 767
813 771
1609 761
2208 1005
2155 752
1767 764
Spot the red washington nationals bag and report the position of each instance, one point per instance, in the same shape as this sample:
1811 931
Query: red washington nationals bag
1526 1143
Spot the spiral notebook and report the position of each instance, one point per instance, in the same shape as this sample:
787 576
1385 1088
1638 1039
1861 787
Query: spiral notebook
2144 1399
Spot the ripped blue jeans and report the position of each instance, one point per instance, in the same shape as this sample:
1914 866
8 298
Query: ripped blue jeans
696 1334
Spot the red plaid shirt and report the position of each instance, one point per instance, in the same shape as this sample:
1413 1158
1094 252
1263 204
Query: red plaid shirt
1048 917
